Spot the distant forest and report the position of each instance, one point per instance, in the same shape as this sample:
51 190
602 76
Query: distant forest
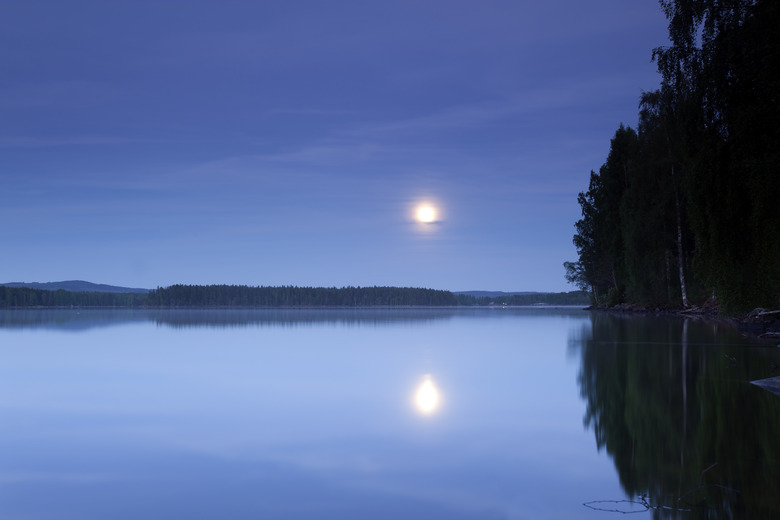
291 296
685 209
238 296
26 297
564 298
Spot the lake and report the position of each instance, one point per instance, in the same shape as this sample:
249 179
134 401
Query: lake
484 413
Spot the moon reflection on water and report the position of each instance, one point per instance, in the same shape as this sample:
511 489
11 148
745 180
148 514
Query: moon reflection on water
426 397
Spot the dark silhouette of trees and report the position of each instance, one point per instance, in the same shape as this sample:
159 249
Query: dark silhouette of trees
242 296
686 207
599 239
565 298
224 296
25 297
291 296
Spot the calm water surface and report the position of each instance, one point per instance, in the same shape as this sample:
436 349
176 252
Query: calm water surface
420 413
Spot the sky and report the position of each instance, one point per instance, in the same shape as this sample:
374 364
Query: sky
149 143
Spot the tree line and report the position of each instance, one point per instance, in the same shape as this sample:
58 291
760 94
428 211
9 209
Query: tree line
685 208
292 296
563 298
26 297
238 296
230 296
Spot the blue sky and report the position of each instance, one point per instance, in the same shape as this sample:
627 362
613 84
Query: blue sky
287 143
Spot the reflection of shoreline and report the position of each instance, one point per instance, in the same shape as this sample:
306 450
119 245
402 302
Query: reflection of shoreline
295 317
74 320
84 319
668 399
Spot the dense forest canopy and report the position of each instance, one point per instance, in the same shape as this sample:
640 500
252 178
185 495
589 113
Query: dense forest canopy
685 208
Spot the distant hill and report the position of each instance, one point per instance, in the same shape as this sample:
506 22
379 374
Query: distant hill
76 286
491 294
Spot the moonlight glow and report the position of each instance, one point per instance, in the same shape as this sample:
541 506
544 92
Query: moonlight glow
426 214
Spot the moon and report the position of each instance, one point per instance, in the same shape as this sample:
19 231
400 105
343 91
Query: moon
426 214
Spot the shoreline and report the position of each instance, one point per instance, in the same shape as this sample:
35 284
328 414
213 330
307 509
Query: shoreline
760 322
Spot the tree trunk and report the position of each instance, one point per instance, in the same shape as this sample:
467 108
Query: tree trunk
680 258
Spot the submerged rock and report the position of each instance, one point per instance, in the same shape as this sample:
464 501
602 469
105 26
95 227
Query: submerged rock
771 384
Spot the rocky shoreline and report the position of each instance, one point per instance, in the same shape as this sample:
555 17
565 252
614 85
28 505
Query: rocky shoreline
761 322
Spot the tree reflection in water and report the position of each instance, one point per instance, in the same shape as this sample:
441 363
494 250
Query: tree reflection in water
670 400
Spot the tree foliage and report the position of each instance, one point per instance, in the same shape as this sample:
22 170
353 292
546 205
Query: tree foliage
686 207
